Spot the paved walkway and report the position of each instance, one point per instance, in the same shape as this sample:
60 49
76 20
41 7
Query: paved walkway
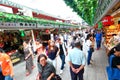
97 70
92 72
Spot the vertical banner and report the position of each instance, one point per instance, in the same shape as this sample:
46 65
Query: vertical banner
100 25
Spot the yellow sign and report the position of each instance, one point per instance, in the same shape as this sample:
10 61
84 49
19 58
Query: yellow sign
15 60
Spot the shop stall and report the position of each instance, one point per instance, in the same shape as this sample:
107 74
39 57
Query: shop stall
111 27
10 43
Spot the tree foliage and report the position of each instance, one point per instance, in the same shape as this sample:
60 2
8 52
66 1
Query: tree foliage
84 8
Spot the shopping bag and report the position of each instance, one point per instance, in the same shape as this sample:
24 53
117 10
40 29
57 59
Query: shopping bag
113 73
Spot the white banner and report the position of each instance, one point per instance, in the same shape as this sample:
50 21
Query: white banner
6 9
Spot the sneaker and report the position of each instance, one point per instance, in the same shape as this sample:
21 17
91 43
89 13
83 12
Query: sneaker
61 71
91 62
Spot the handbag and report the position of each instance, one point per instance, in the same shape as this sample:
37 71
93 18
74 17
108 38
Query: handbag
92 49
57 77
113 73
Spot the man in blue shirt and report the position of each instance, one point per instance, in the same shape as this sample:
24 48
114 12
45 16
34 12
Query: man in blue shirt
98 37
77 62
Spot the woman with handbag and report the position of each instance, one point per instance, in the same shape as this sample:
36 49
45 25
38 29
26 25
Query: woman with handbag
90 47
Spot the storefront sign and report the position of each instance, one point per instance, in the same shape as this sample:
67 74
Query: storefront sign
56 26
10 3
103 8
107 21
5 9
17 25
8 25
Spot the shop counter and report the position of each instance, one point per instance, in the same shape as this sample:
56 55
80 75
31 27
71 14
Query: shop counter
15 56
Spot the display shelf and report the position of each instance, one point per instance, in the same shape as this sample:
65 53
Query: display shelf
109 33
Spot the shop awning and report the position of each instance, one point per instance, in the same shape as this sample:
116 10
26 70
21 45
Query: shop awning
21 20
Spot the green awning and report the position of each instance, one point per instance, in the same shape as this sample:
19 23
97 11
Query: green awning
8 17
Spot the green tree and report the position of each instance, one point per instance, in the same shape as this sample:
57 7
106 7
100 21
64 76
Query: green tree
84 8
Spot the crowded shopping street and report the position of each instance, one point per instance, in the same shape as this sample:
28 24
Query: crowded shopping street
96 71
60 40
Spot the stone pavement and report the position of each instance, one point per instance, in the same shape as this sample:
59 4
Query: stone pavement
92 72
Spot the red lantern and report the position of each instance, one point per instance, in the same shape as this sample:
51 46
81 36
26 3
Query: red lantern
47 31
56 30
96 26
107 21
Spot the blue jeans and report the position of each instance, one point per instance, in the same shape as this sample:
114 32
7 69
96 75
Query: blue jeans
89 56
98 42
8 77
62 57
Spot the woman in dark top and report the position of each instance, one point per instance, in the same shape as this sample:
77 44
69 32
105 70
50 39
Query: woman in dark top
116 52
62 53
52 52
46 70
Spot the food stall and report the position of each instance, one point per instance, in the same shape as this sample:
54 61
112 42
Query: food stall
111 27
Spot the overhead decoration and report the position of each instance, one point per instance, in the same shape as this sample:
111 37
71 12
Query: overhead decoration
107 21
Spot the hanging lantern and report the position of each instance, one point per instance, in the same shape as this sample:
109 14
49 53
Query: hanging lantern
100 25
47 31
22 33
40 33
96 26
56 30
107 21
112 27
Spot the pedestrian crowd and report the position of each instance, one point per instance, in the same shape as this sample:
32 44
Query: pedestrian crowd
75 47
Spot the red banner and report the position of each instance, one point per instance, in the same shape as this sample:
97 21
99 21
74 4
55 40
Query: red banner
107 21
